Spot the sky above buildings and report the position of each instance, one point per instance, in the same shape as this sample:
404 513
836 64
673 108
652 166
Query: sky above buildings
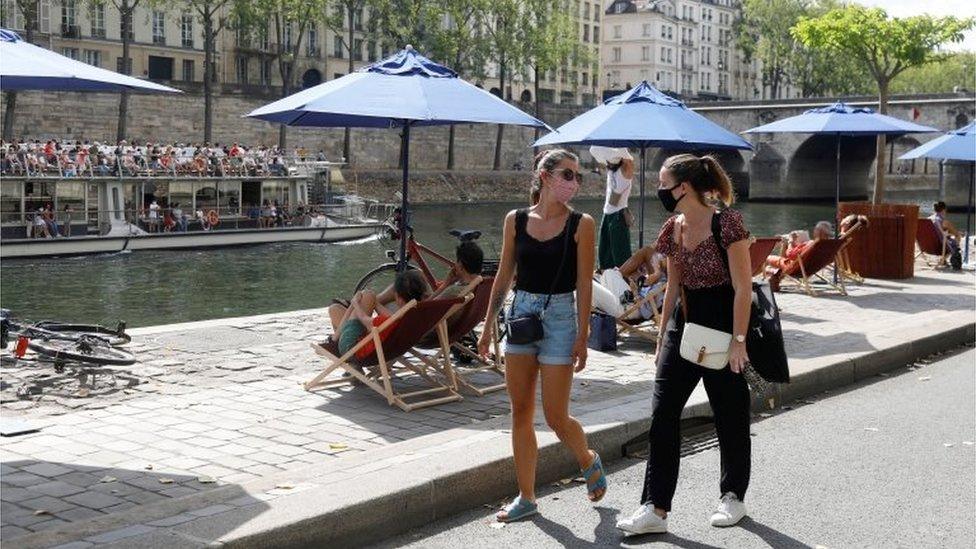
904 8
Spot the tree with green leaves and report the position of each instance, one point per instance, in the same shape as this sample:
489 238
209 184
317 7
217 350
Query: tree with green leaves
126 9
763 32
551 44
343 20
214 15
956 70
290 21
883 45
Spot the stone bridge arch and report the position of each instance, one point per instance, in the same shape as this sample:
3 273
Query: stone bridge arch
812 167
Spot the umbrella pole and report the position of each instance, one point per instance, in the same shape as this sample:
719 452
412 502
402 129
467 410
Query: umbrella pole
640 231
405 145
969 206
837 200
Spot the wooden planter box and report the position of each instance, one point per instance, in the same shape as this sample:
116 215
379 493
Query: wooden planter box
886 248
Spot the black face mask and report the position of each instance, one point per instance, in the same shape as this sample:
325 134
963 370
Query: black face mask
668 200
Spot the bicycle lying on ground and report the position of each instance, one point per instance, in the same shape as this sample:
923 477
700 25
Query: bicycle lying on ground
64 344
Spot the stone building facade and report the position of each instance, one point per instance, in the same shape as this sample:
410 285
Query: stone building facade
684 47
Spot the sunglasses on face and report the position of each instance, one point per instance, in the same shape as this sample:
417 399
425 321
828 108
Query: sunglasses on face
569 175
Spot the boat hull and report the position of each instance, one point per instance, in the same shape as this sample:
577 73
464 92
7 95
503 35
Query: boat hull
86 245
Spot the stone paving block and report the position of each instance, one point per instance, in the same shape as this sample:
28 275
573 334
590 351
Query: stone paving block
10 532
56 488
121 533
143 497
78 513
94 500
293 440
124 506
178 491
47 525
106 458
215 471
204 442
173 520
268 458
43 470
48 503
284 449
210 511
74 545
234 449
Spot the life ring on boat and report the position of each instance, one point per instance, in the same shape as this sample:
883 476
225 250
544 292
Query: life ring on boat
213 218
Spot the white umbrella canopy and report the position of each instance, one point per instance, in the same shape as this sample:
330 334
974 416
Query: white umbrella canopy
24 66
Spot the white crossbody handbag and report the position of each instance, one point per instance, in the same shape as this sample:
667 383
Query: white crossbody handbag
704 346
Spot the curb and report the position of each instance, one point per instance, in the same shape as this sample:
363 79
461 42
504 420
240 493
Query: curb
412 483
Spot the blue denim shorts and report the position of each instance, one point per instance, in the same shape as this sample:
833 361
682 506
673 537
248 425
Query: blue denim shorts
558 326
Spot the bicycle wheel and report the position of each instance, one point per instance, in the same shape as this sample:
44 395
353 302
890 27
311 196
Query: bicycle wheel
380 278
87 350
115 337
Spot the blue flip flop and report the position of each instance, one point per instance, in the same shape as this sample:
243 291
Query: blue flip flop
517 510
601 480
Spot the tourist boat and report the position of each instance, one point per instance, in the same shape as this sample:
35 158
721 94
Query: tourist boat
111 215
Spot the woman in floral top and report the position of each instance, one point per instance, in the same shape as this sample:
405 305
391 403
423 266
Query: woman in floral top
716 296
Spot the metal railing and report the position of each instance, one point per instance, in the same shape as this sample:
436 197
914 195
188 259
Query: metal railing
138 221
38 165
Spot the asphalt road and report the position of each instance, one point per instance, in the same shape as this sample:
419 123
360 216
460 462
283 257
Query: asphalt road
888 463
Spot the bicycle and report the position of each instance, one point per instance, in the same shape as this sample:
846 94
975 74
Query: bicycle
418 255
64 344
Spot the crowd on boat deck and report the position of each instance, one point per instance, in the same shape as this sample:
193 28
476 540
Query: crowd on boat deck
84 158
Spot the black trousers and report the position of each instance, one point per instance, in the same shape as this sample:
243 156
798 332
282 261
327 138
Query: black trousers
728 395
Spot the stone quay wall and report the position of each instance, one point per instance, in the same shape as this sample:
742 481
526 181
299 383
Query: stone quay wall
179 118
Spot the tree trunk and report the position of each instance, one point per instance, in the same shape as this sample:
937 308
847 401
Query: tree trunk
8 116
880 148
208 78
347 135
122 129
497 164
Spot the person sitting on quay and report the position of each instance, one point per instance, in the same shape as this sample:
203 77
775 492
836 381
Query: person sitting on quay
646 269
351 323
949 233
40 226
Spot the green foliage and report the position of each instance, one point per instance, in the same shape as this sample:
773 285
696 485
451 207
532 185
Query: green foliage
884 46
763 33
942 76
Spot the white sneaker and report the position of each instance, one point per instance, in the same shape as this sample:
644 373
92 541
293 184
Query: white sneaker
730 511
643 521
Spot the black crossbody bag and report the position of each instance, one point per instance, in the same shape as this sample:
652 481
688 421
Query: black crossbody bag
764 340
526 329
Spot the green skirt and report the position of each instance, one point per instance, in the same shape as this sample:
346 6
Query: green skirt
614 240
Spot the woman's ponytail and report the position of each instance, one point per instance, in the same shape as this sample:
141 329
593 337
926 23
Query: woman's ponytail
722 185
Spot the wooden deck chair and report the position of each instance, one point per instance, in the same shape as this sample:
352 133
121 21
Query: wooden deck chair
413 321
471 314
932 246
845 269
759 250
818 256
631 322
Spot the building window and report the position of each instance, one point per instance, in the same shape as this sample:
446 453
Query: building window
645 53
70 52
616 55
616 31
287 39
646 31
586 11
586 79
158 27
186 30
96 15
663 56
93 57
337 47
669 55
596 17
586 33
596 35
313 41
371 51
357 49
241 69
266 72
670 33
664 31
189 72
68 14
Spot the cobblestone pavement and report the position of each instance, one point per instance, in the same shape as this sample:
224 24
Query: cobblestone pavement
220 403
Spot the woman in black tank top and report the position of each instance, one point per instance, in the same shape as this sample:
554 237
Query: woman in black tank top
548 250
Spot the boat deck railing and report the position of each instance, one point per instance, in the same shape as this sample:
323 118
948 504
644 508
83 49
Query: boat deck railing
37 165
204 218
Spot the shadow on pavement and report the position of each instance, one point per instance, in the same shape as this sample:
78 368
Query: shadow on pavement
774 538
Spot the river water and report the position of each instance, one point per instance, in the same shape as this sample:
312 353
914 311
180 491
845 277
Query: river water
160 287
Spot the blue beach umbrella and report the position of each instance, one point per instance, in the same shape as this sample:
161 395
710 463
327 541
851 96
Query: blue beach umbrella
955 145
401 91
643 117
24 66
839 120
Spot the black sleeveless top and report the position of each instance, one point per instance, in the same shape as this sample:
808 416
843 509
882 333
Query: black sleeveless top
537 262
